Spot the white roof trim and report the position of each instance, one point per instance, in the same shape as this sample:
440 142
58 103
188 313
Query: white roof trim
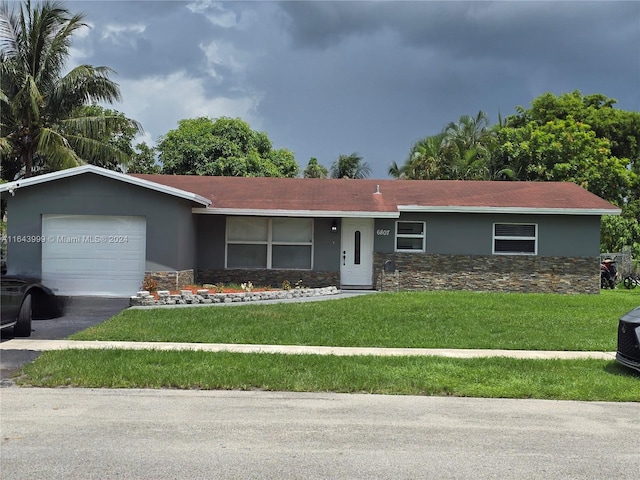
511 210
293 213
70 172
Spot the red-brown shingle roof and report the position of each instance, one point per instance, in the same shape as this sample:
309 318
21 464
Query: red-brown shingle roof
345 195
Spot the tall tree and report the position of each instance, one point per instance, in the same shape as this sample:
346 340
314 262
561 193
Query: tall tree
143 160
586 140
468 132
565 150
620 127
350 166
224 147
315 170
40 122
466 146
425 162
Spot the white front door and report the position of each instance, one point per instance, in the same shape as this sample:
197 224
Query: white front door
356 262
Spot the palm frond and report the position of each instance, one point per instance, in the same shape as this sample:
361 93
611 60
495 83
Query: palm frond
56 148
97 152
84 84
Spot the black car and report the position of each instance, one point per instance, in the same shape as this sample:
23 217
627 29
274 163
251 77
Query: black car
628 353
22 299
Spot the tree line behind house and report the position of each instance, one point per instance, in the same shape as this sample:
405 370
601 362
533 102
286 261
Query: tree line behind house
52 120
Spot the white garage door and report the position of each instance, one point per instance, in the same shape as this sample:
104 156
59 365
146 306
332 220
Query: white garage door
93 254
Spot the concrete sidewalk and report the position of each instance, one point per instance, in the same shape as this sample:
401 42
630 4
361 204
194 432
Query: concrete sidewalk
46 345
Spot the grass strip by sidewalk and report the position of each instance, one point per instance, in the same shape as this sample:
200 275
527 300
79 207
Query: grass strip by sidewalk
407 319
592 380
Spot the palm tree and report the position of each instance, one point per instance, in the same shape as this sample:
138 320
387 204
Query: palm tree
42 123
426 161
398 172
467 146
469 131
314 169
350 166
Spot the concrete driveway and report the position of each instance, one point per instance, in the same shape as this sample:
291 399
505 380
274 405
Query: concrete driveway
78 313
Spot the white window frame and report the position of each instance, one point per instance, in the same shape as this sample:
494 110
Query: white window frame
269 242
514 237
422 236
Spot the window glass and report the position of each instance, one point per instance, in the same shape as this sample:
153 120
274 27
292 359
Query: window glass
409 243
357 246
247 229
515 246
515 230
410 228
246 256
291 256
292 230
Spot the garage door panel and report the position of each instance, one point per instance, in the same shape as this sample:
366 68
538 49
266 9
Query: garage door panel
93 255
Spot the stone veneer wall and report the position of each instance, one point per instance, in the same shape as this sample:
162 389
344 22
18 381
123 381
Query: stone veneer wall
171 280
273 278
503 273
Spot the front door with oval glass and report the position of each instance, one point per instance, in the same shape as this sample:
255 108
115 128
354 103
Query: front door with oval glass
356 262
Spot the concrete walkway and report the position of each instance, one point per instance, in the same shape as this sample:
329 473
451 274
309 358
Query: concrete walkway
45 345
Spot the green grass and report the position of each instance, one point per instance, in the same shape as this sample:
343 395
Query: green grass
429 320
419 320
592 380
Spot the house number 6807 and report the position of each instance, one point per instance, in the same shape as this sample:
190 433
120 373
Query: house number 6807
383 232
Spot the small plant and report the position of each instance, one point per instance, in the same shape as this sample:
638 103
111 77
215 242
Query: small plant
298 285
150 284
286 285
247 287
214 287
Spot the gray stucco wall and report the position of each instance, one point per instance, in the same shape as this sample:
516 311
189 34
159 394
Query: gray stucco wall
171 228
471 234
326 246
210 241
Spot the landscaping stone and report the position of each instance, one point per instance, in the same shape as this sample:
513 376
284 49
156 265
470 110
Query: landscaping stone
144 298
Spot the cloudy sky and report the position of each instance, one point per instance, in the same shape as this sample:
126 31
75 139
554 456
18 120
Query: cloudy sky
373 77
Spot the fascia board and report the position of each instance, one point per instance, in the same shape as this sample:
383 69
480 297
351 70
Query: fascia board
70 172
293 213
510 210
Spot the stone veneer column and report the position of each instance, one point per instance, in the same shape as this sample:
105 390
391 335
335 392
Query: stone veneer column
171 280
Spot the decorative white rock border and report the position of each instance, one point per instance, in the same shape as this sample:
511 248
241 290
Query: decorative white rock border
187 297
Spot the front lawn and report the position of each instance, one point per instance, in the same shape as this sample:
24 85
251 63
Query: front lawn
418 320
592 380
429 320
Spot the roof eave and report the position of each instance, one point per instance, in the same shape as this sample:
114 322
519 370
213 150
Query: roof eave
293 213
509 210
70 172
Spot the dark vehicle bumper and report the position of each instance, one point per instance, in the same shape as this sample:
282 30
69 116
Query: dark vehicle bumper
628 353
628 362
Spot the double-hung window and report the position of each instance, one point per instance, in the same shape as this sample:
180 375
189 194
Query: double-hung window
515 239
410 236
256 242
